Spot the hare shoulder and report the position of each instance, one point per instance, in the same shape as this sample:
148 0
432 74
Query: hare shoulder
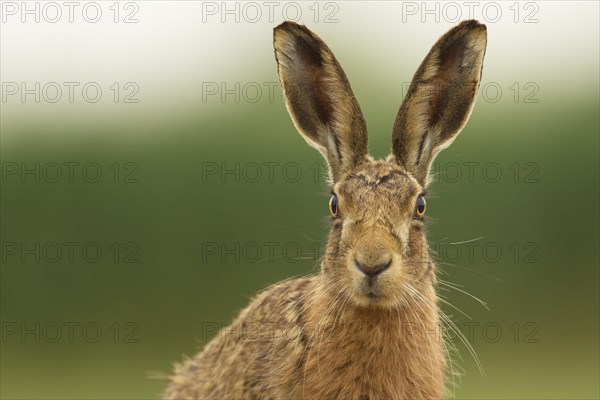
243 359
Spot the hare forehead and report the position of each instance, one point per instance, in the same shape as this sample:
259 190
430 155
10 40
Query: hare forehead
378 181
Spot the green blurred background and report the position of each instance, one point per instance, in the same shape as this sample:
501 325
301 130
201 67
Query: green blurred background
159 209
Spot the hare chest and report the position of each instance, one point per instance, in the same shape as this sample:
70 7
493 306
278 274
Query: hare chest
370 363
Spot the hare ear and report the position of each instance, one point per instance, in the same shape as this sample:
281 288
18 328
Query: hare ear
440 98
319 98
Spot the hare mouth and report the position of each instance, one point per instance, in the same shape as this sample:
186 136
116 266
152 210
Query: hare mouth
371 298
370 289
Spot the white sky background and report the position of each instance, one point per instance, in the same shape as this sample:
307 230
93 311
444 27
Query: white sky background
170 51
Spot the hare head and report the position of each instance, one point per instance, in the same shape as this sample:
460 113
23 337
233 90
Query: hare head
377 252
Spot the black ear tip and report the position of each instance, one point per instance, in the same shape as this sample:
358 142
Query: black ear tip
473 24
299 35
290 26
283 26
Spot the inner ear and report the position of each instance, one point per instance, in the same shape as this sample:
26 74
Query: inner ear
450 58
450 80
312 73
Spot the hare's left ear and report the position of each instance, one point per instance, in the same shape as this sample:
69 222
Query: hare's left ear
440 98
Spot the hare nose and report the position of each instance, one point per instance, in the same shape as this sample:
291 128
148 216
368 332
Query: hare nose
372 271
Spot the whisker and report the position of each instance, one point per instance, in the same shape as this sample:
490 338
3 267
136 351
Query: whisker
452 326
447 284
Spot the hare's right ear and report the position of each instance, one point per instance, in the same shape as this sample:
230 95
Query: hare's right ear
319 98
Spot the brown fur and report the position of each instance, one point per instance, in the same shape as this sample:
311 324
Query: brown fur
338 334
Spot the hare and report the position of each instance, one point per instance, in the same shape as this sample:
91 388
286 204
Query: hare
367 325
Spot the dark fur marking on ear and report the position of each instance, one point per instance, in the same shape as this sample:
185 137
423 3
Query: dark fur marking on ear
311 53
421 144
450 60
338 147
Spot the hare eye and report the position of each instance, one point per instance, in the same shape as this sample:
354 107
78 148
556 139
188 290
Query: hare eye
333 205
421 207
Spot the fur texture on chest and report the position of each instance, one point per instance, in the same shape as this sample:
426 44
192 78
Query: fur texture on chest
366 354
